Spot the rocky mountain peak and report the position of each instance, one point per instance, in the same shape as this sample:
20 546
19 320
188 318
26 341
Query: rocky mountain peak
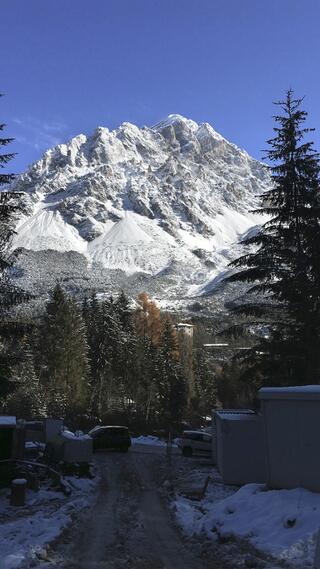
144 199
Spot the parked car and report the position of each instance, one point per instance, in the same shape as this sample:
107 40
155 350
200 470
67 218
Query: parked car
194 442
110 437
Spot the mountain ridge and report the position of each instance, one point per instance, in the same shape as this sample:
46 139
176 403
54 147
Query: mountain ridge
144 200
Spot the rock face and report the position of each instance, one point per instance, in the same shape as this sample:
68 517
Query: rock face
168 201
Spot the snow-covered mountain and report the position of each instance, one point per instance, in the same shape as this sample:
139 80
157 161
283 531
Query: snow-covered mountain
168 201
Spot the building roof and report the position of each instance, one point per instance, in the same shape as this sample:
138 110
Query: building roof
222 345
235 414
7 421
215 345
301 392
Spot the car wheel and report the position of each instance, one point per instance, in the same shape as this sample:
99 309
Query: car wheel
187 451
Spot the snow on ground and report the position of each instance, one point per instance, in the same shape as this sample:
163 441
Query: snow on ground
8 420
123 246
136 243
280 523
190 513
25 531
48 230
170 201
150 440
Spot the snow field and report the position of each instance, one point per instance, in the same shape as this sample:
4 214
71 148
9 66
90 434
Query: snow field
25 531
281 523
144 200
47 230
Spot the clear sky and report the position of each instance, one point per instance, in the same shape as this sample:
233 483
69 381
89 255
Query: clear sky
67 66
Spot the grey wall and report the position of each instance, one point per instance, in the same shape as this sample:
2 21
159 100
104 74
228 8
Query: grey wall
52 428
214 450
240 450
292 430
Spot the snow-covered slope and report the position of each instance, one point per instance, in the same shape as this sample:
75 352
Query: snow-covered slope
46 229
171 199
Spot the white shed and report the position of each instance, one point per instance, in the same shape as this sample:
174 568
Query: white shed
240 446
292 433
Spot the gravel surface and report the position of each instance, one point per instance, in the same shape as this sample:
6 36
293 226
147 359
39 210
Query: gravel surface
131 525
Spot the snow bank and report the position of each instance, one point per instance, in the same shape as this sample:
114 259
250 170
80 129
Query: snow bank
150 440
27 530
187 515
282 523
8 420
20 539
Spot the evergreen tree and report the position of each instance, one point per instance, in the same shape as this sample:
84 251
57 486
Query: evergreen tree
109 360
235 388
9 294
64 355
108 357
9 206
205 392
27 400
172 386
5 158
112 349
284 269
124 314
146 378
128 350
91 314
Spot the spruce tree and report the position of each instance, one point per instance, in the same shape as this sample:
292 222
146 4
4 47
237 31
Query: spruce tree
91 314
64 355
112 349
172 385
283 271
146 387
27 399
205 388
5 157
124 313
9 294
9 205
108 357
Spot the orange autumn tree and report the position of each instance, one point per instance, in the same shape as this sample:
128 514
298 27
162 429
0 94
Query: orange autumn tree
148 319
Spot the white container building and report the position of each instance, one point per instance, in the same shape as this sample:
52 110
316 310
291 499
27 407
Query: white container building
291 417
239 447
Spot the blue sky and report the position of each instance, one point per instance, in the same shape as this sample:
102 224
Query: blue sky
68 66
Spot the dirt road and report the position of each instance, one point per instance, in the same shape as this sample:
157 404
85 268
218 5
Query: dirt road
130 525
